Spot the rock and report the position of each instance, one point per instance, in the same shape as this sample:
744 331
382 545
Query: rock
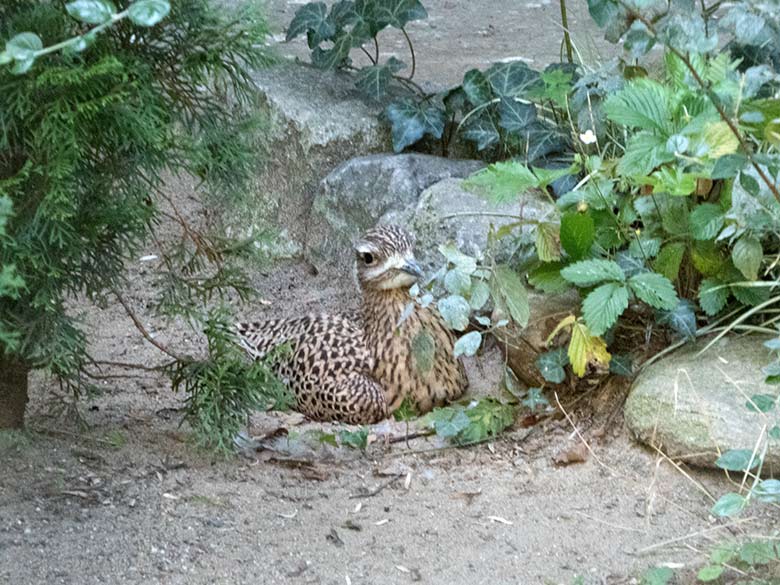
368 190
522 346
447 212
693 407
318 119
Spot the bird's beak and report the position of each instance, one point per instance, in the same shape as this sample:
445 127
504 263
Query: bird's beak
411 267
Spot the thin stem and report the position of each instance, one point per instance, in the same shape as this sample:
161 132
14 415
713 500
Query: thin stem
411 50
376 50
370 57
138 325
566 37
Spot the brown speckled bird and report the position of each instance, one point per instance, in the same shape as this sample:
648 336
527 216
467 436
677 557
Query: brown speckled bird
359 367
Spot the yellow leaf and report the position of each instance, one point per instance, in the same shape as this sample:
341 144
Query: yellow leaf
585 348
564 323
720 139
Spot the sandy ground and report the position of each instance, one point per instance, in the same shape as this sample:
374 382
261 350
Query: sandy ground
131 499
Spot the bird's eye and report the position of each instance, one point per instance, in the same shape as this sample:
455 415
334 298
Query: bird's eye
368 258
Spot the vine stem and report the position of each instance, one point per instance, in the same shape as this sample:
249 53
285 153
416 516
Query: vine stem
411 50
721 112
370 57
566 36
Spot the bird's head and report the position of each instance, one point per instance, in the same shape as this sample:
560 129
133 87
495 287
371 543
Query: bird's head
385 259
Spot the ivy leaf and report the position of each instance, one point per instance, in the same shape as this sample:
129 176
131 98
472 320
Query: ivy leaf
423 350
729 505
551 365
336 56
643 104
514 116
397 13
480 293
477 87
585 348
508 290
578 232
502 182
148 12
603 306
590 272
511 79
654 289
468 344
373 80
448 422
761 403
96 11
547 278
706 221
535 400
669 260
457 282
311 17
738 460
747 255
682 319
455 310
362 17
481 129
411 121
713 296
548 242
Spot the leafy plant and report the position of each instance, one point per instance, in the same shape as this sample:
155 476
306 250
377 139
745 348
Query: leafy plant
472 423
89 127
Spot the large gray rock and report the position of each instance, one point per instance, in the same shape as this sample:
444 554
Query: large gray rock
368 190
447 212
318 119
693 407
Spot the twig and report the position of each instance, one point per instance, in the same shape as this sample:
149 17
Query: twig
142 329
610 524
378 489
693 535
131 366
577 431
408 436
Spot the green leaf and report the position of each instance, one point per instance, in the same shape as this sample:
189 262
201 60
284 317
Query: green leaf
706 221
656 575
486 419
669 260
578 233
23 46
738 460
729 505
643 104
673 180
621 365
502 182
644 152
397 13
707 258
551 365
638 40
548 242
727 167
482 130
508 289
411 121
644 247
355 439
465 263
312 17
477 87
423 350
372 81
761 403
768 491
480 293
547 278
682 319
774 432
589 272
337 55
468 344
710 573
654 289
713 296
457 282
750 295
747 255
758 553
535 400
455 310
514 116
91 11
448 422
603 306
514 79
148 12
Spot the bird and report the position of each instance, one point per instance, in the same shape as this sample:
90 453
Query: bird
359 366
